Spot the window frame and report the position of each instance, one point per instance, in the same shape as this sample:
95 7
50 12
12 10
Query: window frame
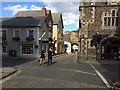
16 30
6 49
28 32
23 53
6 32
110 19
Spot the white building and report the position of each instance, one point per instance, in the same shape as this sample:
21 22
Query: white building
68 44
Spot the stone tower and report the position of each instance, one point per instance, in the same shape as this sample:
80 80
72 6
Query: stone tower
97 17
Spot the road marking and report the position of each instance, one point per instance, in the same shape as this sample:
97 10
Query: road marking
66 83
9 77
78 71
100 75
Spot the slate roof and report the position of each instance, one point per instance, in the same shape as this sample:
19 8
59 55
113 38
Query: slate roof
56 18
32 13
23 21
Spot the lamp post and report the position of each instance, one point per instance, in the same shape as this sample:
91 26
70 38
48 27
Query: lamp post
96 39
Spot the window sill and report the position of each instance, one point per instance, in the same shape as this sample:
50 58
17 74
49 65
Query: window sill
29 38
16 38
109 27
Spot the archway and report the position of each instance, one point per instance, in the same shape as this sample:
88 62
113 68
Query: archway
74 47
110 48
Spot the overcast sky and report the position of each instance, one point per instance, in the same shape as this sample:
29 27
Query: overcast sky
69 10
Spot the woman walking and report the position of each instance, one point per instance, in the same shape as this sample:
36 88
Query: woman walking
42 57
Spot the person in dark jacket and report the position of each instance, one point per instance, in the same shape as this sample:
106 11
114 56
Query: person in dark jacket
42 57
49 56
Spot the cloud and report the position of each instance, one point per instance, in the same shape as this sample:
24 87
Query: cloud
33 7
70 18
16 8
69 10
77 24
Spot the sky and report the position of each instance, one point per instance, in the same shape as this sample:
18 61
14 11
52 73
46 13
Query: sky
69 10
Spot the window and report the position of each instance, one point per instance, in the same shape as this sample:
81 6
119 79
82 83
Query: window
16 33
4 48
30 33
105 14
117 19
105 21
109 19
113 20
117 13
27 48
4 33
113 12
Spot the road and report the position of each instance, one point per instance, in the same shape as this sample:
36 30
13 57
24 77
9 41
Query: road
63 73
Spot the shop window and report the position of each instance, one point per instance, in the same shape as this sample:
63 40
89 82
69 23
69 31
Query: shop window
27 48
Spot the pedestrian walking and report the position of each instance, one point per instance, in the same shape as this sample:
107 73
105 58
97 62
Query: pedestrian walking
65 51
42 57
49 57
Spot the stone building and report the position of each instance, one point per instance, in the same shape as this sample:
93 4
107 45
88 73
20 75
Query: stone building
102 18
58 32
73 36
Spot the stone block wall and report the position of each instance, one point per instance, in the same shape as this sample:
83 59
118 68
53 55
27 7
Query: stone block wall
92 21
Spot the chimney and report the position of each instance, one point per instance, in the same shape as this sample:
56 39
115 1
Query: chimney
43 11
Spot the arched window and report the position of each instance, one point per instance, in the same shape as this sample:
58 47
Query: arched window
117 13
113 12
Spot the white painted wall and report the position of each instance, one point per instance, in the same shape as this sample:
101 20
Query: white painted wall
69 46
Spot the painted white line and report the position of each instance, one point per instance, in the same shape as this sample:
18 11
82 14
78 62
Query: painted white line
85 72
78 71
100 75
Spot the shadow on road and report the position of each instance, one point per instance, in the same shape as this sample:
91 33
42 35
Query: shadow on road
14 61
52 62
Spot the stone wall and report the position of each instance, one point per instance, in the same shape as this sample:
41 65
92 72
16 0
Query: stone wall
92 21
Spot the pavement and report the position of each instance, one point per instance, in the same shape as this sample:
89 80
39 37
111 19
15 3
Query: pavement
115 62
7 71
108 68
